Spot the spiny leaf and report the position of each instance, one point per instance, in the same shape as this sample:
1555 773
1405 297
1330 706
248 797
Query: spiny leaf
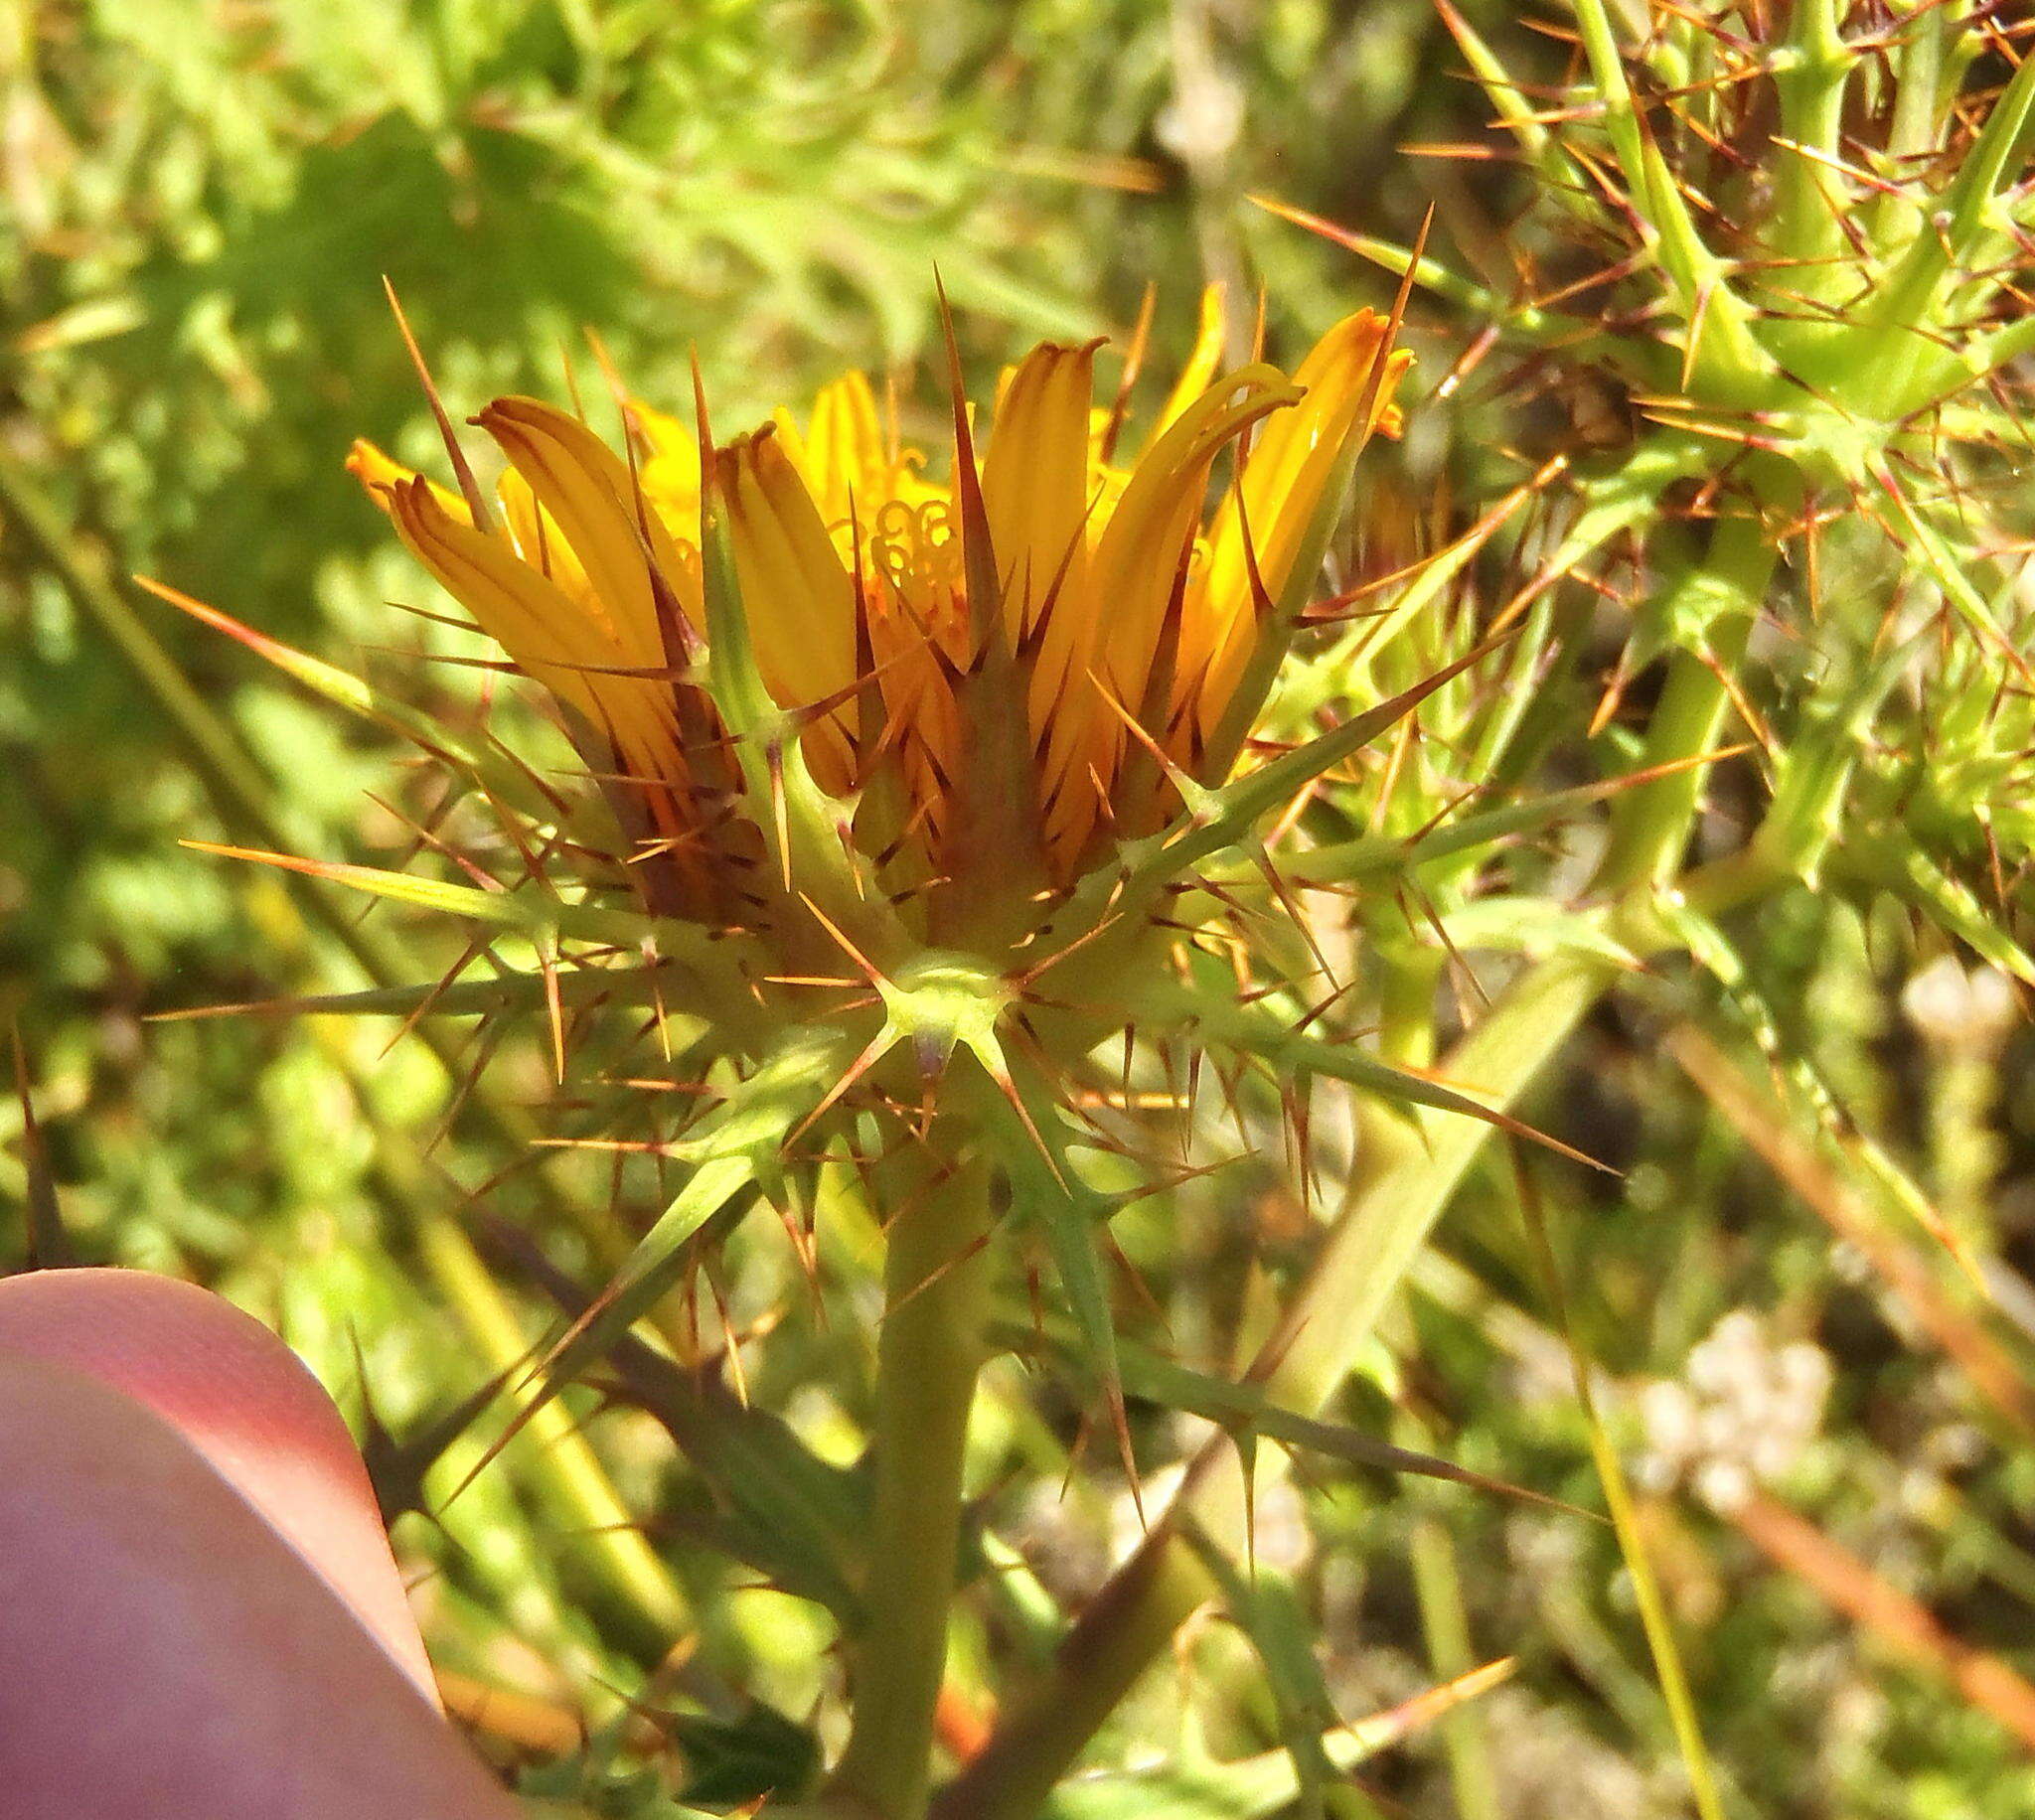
1290 1053
1346 860
993 835
735 1148
1816 768
1948 570
1722 350
1246 1408
1961 221
1232 810
528 912
1264 1606
397 1469
506 991
1520 319
1513 106
1818 65
1425 586
784 1510
756 1755
358 696
1897 865
1680 615
734 1151
1224 816
1711 949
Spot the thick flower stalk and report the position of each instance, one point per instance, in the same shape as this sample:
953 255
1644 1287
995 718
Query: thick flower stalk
911 781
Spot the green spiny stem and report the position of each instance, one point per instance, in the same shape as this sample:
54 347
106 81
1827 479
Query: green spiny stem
936 1285
1725 356
1409 976
1652 824
1894 215
1810 203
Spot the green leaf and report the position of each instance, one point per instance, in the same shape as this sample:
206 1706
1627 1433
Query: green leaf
769 1500
1048 1194
1814 769
1708 946
1193 1788
732 1763
1247 1412
1962 222
1653 1613
1518 112
733 1151
1895 865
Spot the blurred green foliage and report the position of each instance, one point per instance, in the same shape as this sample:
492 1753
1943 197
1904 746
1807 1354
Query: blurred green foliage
201 202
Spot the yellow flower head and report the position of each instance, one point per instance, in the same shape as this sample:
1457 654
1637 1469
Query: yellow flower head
994 678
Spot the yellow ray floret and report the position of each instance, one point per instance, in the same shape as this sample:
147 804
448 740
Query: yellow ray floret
1126 619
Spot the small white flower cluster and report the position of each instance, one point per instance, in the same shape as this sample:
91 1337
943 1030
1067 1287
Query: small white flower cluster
1203 120
1740 1416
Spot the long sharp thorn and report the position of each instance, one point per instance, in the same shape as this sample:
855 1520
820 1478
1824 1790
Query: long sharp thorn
469 488
985 596
555 1013
869 969
1280 889
878 1046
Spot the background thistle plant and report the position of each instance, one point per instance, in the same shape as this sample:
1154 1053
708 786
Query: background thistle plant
1720 421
